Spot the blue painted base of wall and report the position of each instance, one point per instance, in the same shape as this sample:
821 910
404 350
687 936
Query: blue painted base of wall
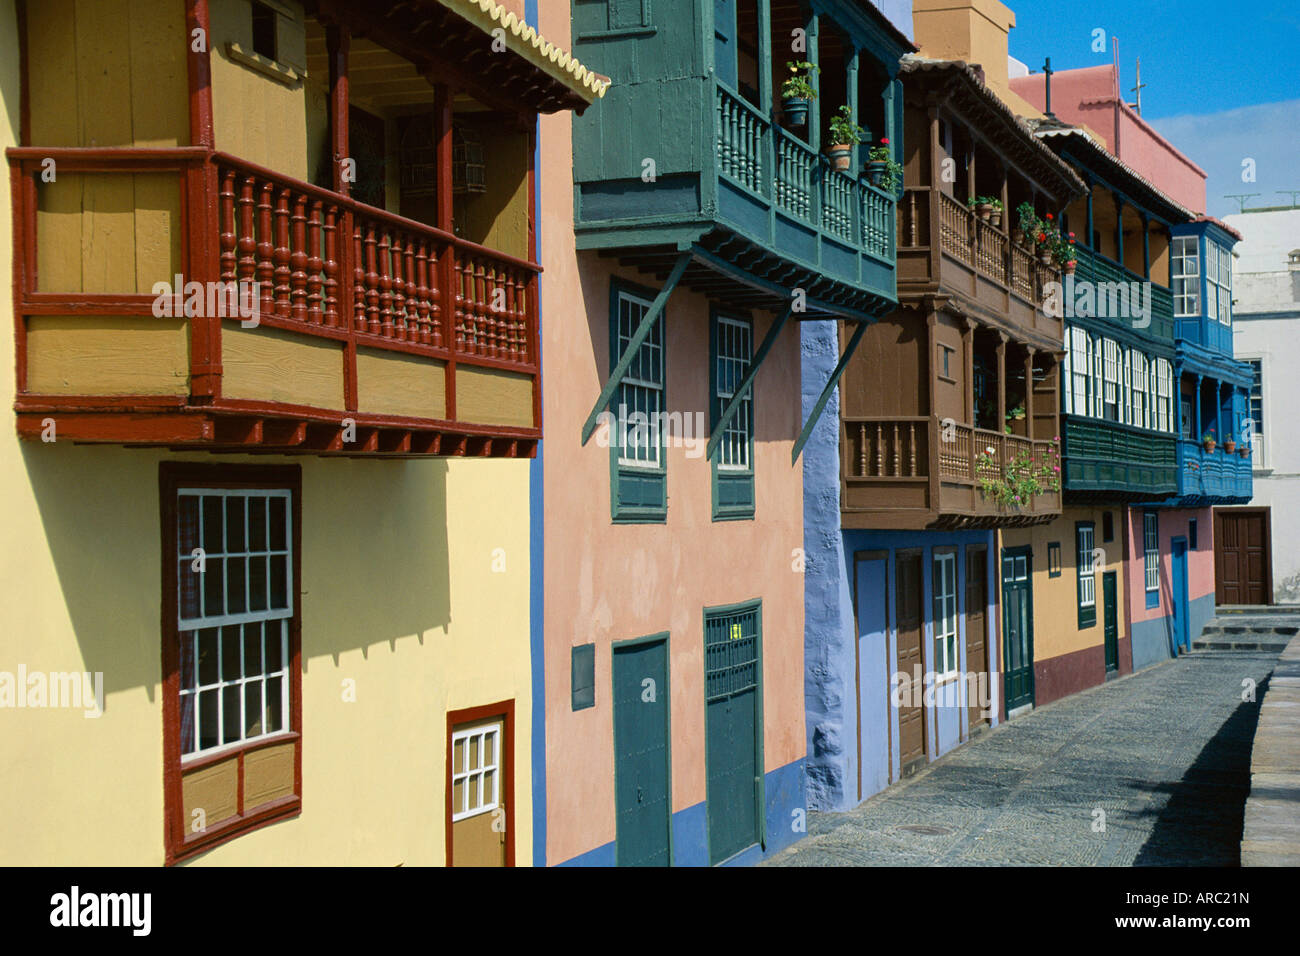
786 819
1153 641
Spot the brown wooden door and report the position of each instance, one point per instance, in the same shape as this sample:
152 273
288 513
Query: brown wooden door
1242 571
911 627
977 651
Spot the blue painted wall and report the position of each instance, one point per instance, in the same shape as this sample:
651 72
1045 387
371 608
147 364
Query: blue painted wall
1153 641
785 817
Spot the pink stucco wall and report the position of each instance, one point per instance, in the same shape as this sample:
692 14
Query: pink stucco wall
1200 563
606 583
1089 97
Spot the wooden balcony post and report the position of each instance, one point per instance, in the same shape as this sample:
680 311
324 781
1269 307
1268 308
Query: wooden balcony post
1196 409
1146 247
338 40
765 58
814 108
1029 392
1002 384
968 363
1088 239
1119 229
936 186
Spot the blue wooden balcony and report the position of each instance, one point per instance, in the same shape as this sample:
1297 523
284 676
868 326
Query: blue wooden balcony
1209 478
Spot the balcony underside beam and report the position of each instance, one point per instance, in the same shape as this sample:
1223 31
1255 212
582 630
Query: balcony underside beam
747 382
634 344
826 391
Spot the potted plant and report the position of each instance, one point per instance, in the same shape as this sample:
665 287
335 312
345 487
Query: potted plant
1208 441
797 92
995 217
1244 449
1066 256
982 205
845 134
882 169
1229 443
1026 224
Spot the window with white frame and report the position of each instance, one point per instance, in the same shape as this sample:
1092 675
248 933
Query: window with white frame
1085 536
1185 273
1256 407
475 771
1164 395
234 606
944 585
641 390
1138 392
1224 282
1080 359
1110 379
733 344
1098 375
1151 549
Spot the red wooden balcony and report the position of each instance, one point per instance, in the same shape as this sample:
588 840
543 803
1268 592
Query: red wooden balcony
370 334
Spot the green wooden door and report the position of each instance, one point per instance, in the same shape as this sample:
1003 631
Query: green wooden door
641 753
1110 618
1017 627
733 728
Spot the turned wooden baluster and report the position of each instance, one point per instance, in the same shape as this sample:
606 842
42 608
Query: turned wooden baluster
862 449
358 281
265 250
898 463
880 450
298 260
229 228
911 444
247 243
486 318
282 271
331 268
413 293
422 270
372 282
314 265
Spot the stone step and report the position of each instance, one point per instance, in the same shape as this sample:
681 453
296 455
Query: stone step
1262 642
1256 610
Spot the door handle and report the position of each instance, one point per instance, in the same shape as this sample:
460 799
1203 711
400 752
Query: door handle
639 794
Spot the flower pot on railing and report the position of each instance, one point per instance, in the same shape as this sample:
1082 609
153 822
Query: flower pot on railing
1208 444
1070 266
1018 236
995 219
876 170
1229 446
840 155
795 110
1045 256
1244 451
984 210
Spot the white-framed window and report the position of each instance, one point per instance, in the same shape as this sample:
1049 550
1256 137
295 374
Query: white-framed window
1079 357
234 607
641 391
944 585
1255 408
475 771
1110 380
734 351
1098 376
1138 393
1086 536
1185 273
1221 278
1151 549
1164 395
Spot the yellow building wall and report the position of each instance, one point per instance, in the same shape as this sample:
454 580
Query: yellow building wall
384 603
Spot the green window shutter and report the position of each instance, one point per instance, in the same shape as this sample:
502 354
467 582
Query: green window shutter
1085 572
582 671
731 349
637 451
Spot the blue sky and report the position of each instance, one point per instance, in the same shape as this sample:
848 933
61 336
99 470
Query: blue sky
1221 79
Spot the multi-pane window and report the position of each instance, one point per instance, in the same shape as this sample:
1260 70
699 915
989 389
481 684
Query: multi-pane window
1164 395
475 771
1218 284
1079 359
1087 573
234 610
638 404
1151 550
1185 271
944 587
733 358
1257 405
1110 380
1138 389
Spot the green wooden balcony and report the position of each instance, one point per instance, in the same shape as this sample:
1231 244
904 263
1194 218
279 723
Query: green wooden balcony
751 196
1113 461
1108 281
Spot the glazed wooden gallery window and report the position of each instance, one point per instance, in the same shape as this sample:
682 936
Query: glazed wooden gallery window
230 650
1185 271
476 771
1151 556
1164 418
1084 534
944 587
1078 360
1218 282
639 491
1138 366
1111 375
733 467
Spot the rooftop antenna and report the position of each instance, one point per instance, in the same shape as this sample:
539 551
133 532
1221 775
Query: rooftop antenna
1292 193
1048 71
1137 90
1241 198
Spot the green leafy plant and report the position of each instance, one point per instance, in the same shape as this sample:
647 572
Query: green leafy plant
1024 476
984 201
799 85
892 178
845 132
1027 219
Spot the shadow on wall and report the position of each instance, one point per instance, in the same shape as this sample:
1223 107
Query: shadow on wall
375 563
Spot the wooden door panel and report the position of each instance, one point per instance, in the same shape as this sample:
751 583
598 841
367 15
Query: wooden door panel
911 714
977 657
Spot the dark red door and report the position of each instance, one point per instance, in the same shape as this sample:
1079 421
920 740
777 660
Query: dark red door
1242 557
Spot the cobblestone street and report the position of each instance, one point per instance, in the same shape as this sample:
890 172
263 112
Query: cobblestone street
1165 753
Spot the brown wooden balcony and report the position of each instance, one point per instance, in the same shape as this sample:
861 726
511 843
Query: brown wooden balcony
996 280
921 472
374 334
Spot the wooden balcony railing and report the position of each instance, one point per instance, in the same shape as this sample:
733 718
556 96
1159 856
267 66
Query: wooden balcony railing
1105 273
889 456
1214 474
327 268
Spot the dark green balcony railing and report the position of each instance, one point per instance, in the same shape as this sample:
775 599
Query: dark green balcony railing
1110 457
1105 274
